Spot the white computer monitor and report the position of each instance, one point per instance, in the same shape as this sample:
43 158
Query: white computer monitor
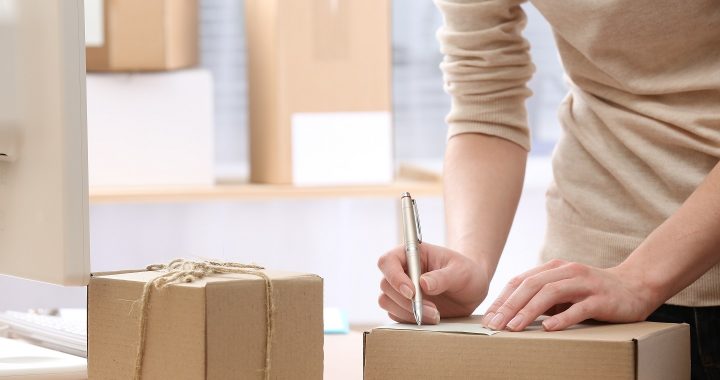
43 142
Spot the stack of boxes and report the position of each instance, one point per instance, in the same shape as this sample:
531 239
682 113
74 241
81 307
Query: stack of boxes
150 110
319 81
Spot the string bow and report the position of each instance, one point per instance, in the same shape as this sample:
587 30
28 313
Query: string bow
181 270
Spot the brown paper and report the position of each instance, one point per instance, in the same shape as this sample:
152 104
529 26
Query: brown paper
642 351
210 329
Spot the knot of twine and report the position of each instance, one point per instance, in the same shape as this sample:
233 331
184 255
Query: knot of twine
180 270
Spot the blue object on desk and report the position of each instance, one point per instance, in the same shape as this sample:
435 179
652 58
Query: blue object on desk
335 321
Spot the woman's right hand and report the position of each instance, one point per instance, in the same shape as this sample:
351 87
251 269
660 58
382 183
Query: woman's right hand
453 285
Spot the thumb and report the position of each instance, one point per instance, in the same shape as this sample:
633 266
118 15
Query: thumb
437 281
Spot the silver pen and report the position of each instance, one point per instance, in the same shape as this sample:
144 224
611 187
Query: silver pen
413 239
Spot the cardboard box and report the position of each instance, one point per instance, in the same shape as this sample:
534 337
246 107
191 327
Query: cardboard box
645 350
213 328
150 129
141 35
319 78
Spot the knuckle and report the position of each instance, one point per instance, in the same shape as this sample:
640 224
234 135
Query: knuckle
577 268
384 285
395 280
382 261
509 305
585 309
497 305
384 301
516 281
531 282
552 289
554 263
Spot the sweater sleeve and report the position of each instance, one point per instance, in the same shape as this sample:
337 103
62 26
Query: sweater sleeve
486 68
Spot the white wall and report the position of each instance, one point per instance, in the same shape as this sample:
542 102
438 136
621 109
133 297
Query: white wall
339 239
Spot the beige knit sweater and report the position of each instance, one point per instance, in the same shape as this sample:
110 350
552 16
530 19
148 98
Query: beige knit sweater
641 119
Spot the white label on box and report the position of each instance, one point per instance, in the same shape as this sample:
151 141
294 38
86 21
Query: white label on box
94 23
342 148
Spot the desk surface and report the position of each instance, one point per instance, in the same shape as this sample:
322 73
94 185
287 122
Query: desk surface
344 356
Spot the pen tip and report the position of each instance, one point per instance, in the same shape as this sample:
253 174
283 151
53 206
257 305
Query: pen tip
416 314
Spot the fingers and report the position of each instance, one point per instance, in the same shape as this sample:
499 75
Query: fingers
513 285
401 314
391 265
527 291
573 315
404 302
554 293
438 281
430 312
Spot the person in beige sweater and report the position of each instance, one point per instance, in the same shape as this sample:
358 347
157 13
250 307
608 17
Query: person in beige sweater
634 209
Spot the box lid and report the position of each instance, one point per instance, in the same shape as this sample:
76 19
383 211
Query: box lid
146 276
592 350
591 331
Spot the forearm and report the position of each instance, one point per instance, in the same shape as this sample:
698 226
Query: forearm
684 247
483 178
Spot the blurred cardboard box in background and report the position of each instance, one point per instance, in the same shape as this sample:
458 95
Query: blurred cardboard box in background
319 91
634 351
141 35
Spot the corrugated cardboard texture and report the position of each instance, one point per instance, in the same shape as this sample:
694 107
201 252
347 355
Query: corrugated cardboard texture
210 329
311 56
588 351
147 35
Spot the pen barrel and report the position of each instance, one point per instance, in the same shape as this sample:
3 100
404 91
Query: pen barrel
412 254
410 231
412 244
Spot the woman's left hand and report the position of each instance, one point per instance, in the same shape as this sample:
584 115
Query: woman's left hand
571 293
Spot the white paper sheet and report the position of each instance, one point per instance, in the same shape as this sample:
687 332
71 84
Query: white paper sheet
458 328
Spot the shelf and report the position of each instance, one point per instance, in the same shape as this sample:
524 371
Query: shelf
232 192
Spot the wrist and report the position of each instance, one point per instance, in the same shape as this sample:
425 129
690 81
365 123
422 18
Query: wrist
641 282
484 263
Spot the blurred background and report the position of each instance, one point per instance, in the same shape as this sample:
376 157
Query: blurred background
339 237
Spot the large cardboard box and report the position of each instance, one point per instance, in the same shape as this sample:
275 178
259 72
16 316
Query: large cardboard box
319 76
639 351
141 35
150 129
214 328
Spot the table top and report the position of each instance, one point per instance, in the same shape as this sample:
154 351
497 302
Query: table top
344 356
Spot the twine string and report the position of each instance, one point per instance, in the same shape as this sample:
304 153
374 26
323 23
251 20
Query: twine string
180 270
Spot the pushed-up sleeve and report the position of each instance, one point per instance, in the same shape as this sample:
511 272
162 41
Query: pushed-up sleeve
486 68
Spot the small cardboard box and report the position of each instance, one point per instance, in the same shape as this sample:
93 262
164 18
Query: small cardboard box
641 351
319 84
213 328
142 35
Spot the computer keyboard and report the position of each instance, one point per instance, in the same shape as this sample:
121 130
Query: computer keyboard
58 333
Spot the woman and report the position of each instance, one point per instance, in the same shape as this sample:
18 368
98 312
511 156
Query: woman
634 210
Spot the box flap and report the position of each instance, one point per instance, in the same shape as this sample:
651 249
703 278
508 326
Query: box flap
460 328
145 276
590 331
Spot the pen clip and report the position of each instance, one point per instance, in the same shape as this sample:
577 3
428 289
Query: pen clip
417 222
